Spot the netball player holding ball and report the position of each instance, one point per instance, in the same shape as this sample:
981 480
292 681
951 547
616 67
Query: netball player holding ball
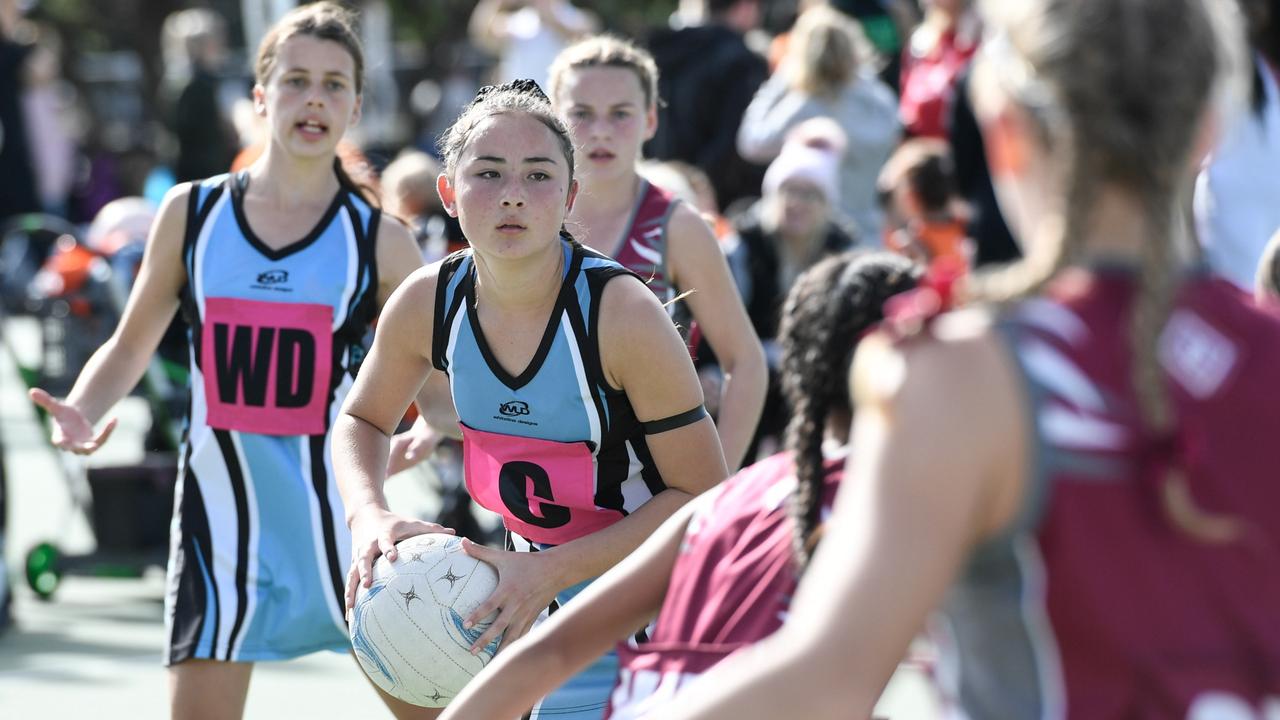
719 575
581 413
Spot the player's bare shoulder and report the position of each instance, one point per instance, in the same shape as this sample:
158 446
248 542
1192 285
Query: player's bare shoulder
421 286
955 350
171 217
686 220
409 313
628 309
691 238
633 328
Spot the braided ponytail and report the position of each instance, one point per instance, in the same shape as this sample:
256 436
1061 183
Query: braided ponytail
1120 107
828 309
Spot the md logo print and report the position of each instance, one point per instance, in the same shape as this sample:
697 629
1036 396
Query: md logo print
273 277
514 408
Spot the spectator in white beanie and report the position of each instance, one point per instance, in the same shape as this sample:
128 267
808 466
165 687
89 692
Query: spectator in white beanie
801 163
793 226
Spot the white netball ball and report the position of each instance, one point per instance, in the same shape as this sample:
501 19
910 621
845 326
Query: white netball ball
407 627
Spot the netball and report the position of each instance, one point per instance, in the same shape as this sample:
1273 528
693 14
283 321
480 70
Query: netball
407 627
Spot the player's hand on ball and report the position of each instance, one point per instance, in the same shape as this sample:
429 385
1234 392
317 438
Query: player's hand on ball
375 531
526 586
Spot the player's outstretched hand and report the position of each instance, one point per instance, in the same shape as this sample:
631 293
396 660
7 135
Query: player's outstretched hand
411 447
526 586
374 532
72 431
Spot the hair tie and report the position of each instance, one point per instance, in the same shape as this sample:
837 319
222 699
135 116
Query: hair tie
528 87
908 313
524 86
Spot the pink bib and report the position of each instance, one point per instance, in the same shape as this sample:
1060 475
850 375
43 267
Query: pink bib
544 490
266 365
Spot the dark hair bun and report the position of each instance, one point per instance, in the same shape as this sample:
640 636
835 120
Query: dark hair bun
523 85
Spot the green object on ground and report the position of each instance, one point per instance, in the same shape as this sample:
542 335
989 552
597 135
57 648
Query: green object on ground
43 573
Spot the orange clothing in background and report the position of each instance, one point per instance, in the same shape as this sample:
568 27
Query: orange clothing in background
928 241
943 239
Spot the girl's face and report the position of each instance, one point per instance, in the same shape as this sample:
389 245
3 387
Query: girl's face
608 117
801 208
511 187
310 98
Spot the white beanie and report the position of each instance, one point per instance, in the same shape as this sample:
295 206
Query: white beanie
818 166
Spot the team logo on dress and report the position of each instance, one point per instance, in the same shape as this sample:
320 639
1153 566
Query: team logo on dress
273 277
1198 356
514 408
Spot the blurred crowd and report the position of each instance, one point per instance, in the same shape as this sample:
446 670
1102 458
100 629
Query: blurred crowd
797 128
896 160
740 81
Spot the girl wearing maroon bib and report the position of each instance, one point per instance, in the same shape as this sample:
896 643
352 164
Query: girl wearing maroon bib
605 90
1081 474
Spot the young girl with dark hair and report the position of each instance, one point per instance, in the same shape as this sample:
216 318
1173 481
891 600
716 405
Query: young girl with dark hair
581 414
721 572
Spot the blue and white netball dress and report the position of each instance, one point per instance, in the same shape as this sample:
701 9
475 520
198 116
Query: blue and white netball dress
555 450
259 541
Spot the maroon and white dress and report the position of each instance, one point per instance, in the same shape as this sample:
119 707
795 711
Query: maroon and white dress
731 585
1092 604
644 250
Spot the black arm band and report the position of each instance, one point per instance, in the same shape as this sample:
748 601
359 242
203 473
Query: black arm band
689 417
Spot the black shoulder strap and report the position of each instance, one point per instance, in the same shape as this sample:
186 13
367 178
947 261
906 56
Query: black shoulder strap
198 212
366 247
597 278
446 307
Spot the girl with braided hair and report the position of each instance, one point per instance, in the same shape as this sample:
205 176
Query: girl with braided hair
581 414
1081 473
720 573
